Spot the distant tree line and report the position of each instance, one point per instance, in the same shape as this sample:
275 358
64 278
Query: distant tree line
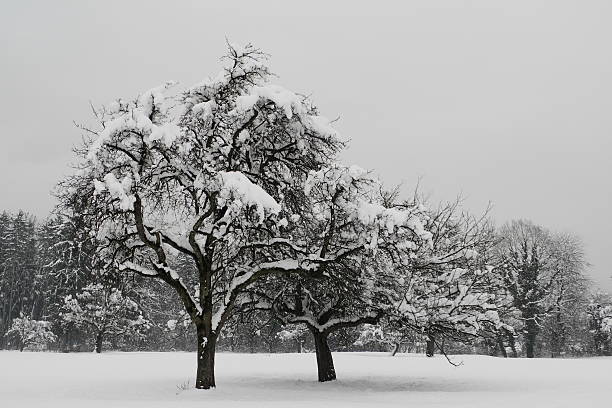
47 275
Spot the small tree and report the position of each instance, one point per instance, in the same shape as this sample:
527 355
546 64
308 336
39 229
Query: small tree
19 271
599 316
104 311
386 335
31 332
67 254
294 333
442 289
542 271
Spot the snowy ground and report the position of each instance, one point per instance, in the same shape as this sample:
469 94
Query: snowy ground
156 380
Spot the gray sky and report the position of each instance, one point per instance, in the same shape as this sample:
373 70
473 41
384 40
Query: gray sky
508 102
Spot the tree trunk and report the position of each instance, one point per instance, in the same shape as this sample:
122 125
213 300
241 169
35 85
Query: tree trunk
492 347
396 347
431 346
529 346
298 346
325 361
99 339
532 330
558 335
251 344
205 374
512 343
502 347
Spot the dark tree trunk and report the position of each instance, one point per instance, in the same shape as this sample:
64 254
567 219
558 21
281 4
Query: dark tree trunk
492 347
298 346
99 339
558 335
512 344
598 345
529 346
205 374
396 347
606 348
63 346
251 344
325 361
431 346
532 330
502 347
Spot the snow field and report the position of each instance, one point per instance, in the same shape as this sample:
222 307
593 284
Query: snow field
157 380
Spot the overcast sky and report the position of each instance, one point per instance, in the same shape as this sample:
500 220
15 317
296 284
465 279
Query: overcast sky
508 102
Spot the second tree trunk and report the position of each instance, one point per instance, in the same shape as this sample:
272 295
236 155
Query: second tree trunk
325 361
431 346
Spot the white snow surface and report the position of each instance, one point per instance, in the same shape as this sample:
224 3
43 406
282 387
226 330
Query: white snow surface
238 186
283 98
156 380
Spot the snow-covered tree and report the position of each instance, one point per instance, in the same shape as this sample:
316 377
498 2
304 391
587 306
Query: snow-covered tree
171 327
30 332
505 335
525 257
385 334
599 320
252 331
539 269
67 258
20 290
349 221
568 294
294 333
213 172
442 287
104 311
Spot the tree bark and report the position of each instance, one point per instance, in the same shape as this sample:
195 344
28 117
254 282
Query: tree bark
532 330
529 347
491 347
205 374
558 339
252 344
502 347
99 339
325 361
431 346
298 346
512 343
